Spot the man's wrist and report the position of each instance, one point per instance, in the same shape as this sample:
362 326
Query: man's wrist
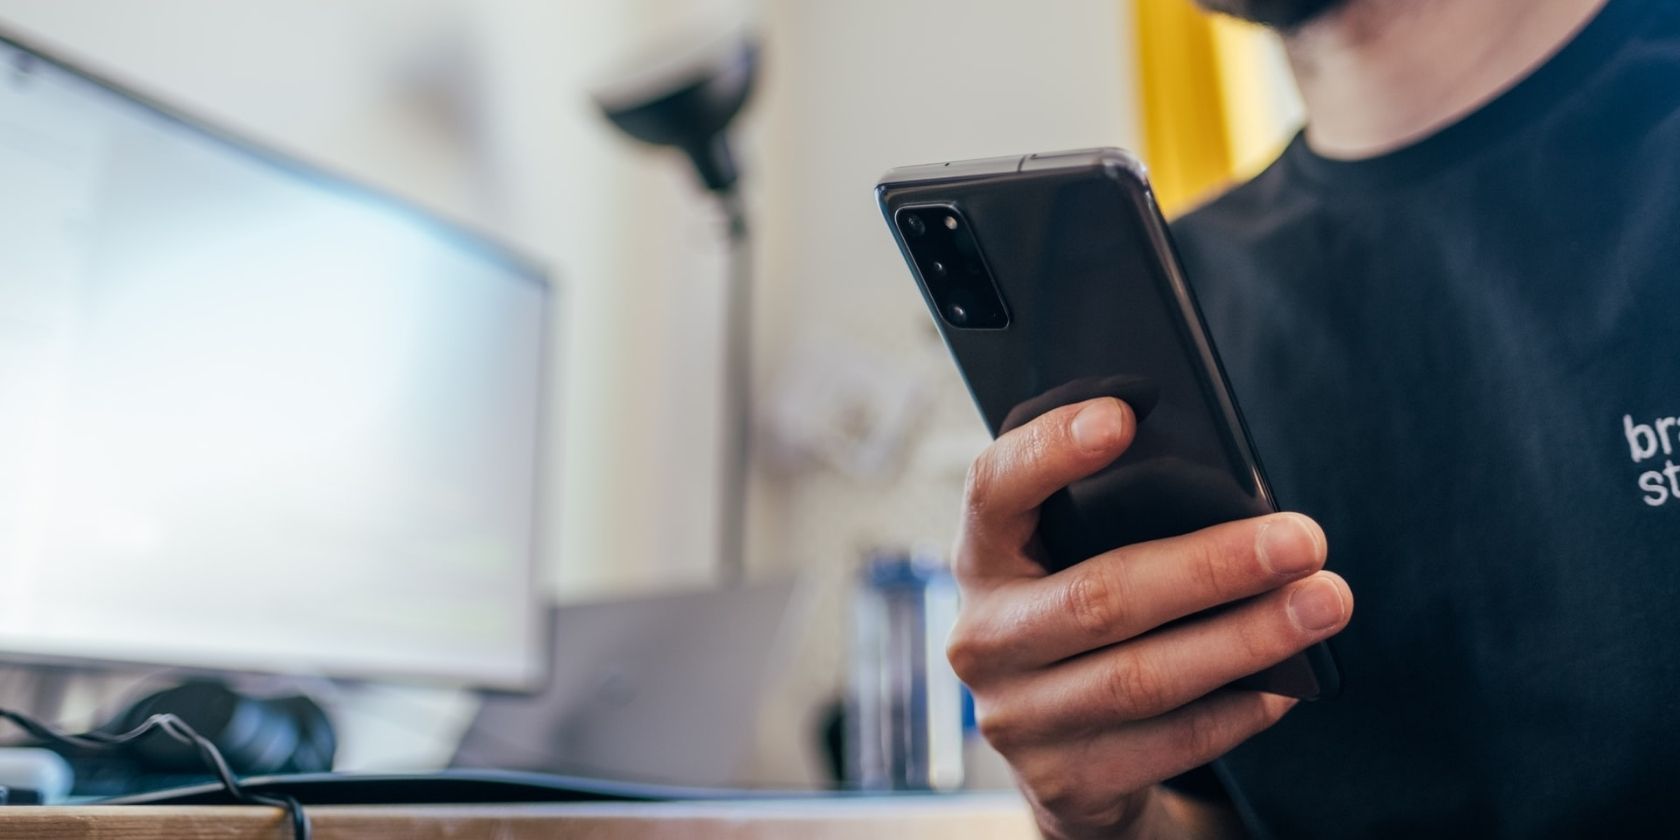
1183 817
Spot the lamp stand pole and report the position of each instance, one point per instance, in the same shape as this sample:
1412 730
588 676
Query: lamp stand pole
737 393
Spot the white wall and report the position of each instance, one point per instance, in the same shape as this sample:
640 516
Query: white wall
477 109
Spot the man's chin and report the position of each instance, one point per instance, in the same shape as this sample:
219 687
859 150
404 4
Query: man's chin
1277 14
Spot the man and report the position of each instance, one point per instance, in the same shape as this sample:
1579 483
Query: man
1452 314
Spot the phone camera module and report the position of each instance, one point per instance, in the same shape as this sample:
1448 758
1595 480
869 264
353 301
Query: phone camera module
944 249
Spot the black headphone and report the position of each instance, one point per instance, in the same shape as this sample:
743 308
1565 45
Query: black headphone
257 736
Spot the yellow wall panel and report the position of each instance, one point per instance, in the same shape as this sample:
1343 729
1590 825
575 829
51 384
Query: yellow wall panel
1217 103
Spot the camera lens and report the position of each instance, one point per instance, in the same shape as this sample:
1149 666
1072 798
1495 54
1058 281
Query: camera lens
943 250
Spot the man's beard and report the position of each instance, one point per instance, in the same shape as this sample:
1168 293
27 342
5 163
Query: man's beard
1277 14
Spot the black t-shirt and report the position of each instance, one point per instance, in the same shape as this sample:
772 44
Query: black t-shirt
1463 359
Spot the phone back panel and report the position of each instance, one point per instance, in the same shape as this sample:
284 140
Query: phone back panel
1097 305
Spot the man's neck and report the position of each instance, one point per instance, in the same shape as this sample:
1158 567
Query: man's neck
1377 75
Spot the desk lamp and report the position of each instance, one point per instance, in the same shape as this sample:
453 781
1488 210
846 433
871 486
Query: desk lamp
687 100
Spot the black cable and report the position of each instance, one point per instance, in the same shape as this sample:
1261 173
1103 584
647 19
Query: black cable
177 729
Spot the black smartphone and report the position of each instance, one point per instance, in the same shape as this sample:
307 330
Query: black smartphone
1053 279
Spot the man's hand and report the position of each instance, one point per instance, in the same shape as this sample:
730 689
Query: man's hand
1080 678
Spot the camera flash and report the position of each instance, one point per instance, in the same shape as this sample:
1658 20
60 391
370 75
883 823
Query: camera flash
950 222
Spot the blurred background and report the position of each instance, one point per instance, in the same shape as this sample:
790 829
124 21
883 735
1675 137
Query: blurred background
480 111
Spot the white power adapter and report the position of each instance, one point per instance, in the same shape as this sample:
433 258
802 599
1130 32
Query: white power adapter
36 769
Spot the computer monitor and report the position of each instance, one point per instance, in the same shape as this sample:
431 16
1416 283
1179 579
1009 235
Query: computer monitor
253 417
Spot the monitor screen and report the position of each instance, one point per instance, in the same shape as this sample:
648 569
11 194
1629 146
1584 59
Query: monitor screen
252 417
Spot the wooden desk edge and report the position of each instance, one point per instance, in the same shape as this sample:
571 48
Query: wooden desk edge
958 817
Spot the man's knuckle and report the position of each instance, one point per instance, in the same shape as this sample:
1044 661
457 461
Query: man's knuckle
1137 688
1201 734
966 653
977 484
1093 597
968 559
1209 565
1057 789
1000 728
1072 795
1073 802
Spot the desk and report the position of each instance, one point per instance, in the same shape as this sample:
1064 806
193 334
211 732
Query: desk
958 817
